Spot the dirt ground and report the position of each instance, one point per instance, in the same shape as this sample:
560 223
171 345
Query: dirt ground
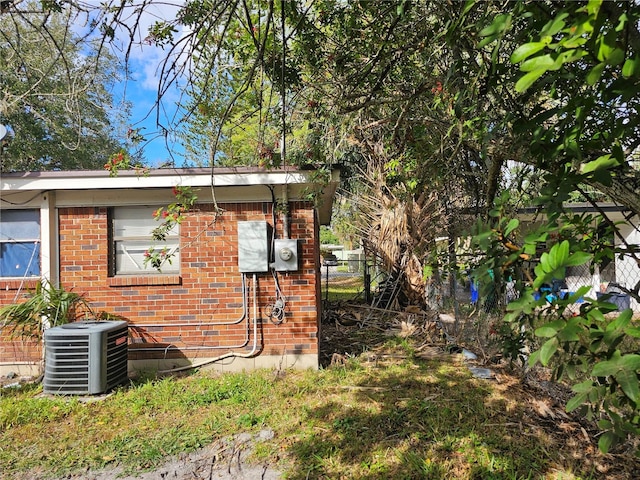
225 460
354 330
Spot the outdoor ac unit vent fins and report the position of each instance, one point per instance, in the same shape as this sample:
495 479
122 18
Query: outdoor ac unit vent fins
85 357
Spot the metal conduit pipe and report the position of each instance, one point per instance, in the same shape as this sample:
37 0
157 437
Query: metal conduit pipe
285 215
205 324
253 351
204 347
194 347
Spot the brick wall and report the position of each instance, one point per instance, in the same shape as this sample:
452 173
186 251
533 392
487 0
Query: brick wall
206 294
198 311
17 349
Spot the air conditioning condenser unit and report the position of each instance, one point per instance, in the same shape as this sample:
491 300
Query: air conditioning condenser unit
88 357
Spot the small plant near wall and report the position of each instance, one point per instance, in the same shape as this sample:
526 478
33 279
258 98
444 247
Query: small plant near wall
170 216
46 303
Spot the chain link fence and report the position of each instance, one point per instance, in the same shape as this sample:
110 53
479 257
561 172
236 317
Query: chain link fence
358 279
364 280
346 280
616 278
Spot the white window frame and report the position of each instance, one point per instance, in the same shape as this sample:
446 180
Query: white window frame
13 236
132 228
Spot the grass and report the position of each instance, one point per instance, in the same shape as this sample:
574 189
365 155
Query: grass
342 288
403 419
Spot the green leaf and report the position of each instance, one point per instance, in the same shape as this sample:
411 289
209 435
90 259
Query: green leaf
511 226
595 315
606 440
546 332
525 51
563 253
498 25
595 73
545 262
583 387
576 402
535 237
558 255
571 331
622 21
617 362
630 362
578 294
541 277
554 26
468 6
606 45
550 329
527 80
548 350
577 258
622 321
542 62
534 358
567 57
605 368
633 332
615 57
574 42
631 67
604 424
600 163
628 381
491 32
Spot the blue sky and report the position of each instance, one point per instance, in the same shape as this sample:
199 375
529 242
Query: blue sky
144 115
141 89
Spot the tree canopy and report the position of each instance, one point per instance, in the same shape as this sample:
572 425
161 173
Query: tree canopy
56 99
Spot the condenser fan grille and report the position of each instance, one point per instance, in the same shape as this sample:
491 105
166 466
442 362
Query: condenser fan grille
67 364
116 356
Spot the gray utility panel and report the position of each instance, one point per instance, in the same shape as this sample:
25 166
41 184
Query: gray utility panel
253 246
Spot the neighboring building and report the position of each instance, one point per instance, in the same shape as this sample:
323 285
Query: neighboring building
243 286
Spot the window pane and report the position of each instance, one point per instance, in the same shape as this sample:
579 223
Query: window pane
130 257
21 259
137 222
132 238
19 225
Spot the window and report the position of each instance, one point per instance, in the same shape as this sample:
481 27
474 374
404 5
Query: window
132 229
19 243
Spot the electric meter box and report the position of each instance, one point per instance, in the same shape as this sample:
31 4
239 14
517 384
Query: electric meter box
253 246
286 255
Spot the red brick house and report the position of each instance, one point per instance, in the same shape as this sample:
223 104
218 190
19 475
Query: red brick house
242 290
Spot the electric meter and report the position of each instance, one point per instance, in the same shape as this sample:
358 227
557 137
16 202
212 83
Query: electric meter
286 255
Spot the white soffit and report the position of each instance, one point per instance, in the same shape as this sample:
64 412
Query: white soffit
87 180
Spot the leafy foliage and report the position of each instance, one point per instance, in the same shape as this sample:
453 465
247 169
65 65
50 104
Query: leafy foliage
591 347
327 236
56 99
169 217
577 69
45 304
